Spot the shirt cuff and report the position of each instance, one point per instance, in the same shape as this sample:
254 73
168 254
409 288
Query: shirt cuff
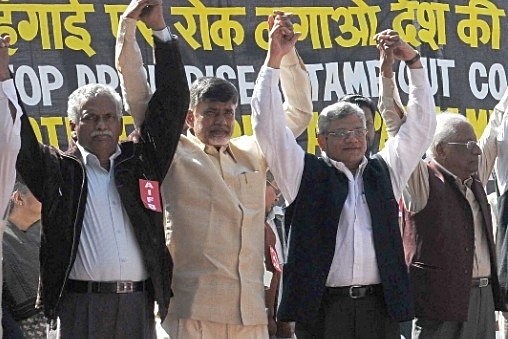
163 35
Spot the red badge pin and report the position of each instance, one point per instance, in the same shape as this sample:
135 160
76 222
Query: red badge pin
275 259
149 192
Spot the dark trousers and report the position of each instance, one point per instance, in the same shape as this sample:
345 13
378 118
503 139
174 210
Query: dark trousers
343 317
107 315
480 324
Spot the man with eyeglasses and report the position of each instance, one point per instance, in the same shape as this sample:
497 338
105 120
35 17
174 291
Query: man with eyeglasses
448 237
345 275
369 108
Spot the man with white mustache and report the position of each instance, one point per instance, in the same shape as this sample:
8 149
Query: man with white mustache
103 255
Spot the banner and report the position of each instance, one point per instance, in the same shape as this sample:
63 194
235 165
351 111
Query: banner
59 45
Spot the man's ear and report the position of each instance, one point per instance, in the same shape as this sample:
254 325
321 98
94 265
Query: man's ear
321 139
72 127
189 119
440 152
16 198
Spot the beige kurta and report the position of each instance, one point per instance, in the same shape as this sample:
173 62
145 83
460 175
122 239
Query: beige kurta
215 202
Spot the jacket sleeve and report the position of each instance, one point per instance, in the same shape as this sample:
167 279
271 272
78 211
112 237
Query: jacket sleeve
163 123
33 160
160 116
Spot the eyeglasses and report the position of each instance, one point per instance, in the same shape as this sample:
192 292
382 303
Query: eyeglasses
275 188
88 118
470 145
344 133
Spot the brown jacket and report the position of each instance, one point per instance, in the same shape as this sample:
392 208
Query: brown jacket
439 249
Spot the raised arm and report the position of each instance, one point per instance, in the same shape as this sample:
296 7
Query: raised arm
501 164
295 84
163 121
283 155
389 104
408 141
492 149
136 92
10 113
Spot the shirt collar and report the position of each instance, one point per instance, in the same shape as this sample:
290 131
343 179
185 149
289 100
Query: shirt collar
87 156
468 181
209 149
276 210
341 167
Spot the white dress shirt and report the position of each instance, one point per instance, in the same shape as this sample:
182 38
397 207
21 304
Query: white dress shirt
9 140
108 249
354 259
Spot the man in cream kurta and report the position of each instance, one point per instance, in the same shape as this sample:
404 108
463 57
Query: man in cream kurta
214 199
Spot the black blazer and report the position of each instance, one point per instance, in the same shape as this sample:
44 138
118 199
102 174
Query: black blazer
314 218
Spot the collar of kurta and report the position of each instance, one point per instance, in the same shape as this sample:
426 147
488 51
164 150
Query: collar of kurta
209 149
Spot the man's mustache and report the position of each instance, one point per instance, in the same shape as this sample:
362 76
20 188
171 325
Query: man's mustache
101 133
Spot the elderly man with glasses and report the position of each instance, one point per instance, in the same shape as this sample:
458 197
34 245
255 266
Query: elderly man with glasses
345 275
447 231
448 235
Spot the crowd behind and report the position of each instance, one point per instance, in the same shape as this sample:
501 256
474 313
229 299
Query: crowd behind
357 242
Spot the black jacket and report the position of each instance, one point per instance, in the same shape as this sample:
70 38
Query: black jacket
59 181
314 218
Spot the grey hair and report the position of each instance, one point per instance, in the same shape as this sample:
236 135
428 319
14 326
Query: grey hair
448 124
337 111
84 93
21 188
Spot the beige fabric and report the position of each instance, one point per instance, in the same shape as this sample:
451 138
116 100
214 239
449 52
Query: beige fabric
481 260
214 201
215 204
192 329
